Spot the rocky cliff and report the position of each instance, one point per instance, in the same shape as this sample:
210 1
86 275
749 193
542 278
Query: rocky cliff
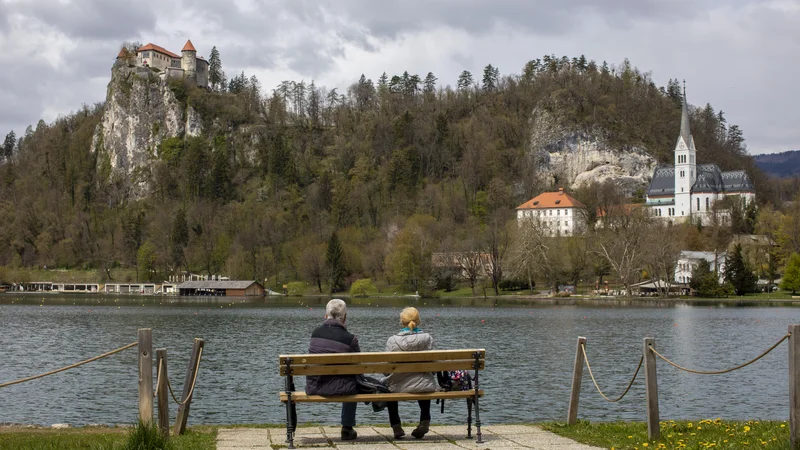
571 158
140 111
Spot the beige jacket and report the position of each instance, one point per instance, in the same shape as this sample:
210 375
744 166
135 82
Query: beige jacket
407 341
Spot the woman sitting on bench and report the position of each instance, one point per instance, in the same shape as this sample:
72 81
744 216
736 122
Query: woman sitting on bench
410 339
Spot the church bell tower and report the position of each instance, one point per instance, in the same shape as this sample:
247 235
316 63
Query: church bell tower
685 163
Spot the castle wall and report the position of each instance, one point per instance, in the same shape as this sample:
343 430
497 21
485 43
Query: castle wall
155 60
202 73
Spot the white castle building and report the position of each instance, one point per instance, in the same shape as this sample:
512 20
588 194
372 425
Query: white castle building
687 189
168 64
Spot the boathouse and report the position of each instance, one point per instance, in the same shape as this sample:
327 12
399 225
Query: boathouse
237 288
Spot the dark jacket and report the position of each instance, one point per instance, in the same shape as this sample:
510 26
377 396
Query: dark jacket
332 337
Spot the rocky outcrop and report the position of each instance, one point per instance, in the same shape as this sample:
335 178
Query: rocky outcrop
570 158
140 111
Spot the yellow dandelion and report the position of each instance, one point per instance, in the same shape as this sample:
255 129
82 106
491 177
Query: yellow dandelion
746 428
699 428
630 437
783 425
645 444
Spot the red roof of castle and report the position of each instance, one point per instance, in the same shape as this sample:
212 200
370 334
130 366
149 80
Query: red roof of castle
123 53
159 49
188 47
558 199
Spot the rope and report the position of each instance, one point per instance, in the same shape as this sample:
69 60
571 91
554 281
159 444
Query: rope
586 359
23 380
719 372
169 386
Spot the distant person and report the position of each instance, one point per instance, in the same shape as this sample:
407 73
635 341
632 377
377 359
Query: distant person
410 339
332 337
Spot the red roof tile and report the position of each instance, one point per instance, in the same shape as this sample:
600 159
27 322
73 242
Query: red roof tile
158 49
558 199
123 53
188 47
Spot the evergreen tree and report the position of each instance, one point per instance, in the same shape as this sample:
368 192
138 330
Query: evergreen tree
220 174
429 85
465 81
490 76
8 145
739 274
215 74
179 238
334 259
791 274
705 282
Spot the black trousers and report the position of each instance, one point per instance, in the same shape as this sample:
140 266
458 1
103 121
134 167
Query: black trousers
394 414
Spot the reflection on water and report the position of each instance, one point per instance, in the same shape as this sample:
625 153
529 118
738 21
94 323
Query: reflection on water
530 351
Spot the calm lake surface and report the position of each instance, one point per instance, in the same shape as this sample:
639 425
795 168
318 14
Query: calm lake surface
530 353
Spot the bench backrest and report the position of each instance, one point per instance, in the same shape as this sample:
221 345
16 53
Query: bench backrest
381 362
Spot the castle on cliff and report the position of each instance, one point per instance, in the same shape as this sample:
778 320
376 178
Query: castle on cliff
167 64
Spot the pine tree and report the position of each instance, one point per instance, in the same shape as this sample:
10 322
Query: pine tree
215 74
335 262
739 274
220 174
465 81
8 145
490 74
791 274
429 87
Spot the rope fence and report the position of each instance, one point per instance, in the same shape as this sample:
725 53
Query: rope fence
648 361
71 366
169 385
589 367
720 372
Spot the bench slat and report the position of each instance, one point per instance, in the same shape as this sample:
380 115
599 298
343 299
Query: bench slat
368 357
302 397
353 369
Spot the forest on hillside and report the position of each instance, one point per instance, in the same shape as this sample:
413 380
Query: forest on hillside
392 170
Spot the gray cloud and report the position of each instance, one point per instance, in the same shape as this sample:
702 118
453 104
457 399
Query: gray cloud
734 54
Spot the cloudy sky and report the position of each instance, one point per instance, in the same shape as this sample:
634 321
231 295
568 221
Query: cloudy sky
739 55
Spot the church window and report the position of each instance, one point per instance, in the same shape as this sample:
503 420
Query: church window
707 202
698 203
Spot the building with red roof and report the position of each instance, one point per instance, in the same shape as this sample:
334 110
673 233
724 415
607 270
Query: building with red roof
171 65
558 212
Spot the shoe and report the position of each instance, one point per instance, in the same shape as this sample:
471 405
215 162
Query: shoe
422 429
348 434
398 431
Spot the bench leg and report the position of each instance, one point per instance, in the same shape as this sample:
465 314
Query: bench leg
291 413
469 418
478 418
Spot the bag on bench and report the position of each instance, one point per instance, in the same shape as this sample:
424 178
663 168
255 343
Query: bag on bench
453 380
371 385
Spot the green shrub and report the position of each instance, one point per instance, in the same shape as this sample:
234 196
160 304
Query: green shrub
146 437
363 288
296 288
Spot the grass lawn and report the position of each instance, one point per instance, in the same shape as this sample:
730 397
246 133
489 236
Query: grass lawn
18 438
703 434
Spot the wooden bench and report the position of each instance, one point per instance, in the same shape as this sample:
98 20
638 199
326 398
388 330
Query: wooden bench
382 363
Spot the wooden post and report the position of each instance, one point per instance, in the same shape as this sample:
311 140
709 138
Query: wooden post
183 410
577 374
146 375
162 395
794 386
651 390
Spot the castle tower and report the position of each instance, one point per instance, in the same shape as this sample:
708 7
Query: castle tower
189 59
685 164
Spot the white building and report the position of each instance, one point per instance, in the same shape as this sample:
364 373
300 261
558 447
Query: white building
560 213
688 189
688 260
170 65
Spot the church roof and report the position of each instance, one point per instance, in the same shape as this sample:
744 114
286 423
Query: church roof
188 47
157 48
663 182
737 181
709 179
558 199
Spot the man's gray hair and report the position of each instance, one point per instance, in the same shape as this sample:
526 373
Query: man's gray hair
336 309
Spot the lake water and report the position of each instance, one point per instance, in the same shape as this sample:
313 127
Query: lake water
530 352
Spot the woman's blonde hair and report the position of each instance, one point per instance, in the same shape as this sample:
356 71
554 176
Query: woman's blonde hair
409 317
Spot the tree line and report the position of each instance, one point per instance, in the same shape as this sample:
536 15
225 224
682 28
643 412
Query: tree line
398 169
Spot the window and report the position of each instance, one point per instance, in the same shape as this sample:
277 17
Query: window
551 212
707 203
558 213
698 203
566 212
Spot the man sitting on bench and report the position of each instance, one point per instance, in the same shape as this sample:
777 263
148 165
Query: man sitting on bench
333 337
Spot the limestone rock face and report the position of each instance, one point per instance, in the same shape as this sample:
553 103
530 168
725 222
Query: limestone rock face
140 111
572 159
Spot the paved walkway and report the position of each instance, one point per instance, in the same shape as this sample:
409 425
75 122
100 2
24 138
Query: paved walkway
380 438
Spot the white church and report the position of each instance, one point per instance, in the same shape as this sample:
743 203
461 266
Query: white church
687 189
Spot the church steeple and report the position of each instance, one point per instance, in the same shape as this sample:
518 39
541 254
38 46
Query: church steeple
686 132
